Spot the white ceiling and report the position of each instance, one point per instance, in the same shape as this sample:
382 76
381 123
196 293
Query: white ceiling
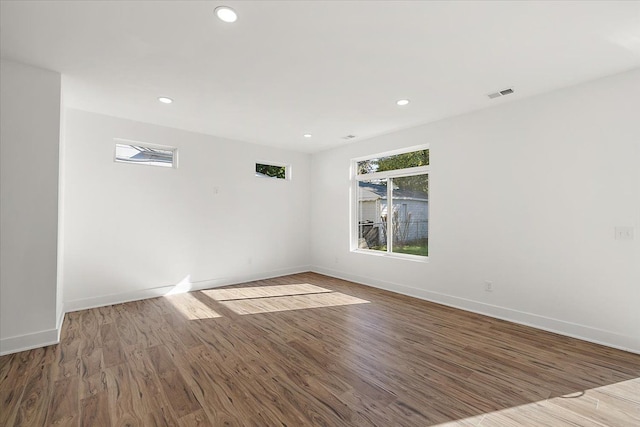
329 68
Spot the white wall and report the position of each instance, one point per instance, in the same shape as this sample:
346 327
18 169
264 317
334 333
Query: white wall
134 231
29 144
527 195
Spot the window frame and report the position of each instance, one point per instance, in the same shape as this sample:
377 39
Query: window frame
286 166
396 173
121 141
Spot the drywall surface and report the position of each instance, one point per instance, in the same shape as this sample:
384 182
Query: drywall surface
135 231
29 144
526 195
60 311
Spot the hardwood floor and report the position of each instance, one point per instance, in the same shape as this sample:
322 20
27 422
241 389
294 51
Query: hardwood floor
309 350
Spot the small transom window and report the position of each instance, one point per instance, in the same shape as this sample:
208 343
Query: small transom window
266 170
145 154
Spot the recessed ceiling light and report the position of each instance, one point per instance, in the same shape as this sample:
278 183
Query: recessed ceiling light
226 14
165 100
307 135
402 102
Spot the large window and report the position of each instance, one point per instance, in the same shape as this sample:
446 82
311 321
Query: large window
392 203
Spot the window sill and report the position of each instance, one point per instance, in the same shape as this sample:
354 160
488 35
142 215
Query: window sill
406 257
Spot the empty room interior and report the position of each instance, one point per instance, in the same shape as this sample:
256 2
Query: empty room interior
320 213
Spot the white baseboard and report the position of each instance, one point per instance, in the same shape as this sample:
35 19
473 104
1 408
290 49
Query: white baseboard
52 336
104 300
33 340
574 330
60 321
29 341
586 333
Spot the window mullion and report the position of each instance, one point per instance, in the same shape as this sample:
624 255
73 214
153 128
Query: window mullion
420 170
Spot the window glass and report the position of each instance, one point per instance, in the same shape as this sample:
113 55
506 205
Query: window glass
393 162
410 197
271 171
372 211
140 154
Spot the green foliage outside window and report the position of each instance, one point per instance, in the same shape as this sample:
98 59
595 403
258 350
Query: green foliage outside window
400 161
272 171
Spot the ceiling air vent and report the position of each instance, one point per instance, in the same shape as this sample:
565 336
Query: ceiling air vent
498 94
348 137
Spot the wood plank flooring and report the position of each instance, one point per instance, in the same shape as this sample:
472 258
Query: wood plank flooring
258 355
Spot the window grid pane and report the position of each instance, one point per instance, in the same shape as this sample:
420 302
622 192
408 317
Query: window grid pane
393 162
410 213
372 215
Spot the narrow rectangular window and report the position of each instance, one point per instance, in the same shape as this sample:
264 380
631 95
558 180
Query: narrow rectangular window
264 170
138 153
394 161
392 203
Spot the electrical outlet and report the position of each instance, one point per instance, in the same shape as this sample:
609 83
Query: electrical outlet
488 286
624 233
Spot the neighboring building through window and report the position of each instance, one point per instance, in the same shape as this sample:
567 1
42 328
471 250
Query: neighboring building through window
392 203
265 170
144 154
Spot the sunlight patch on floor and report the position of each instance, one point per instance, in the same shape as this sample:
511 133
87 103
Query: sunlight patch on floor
263 291
191 307
181 287
291 302
609 404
